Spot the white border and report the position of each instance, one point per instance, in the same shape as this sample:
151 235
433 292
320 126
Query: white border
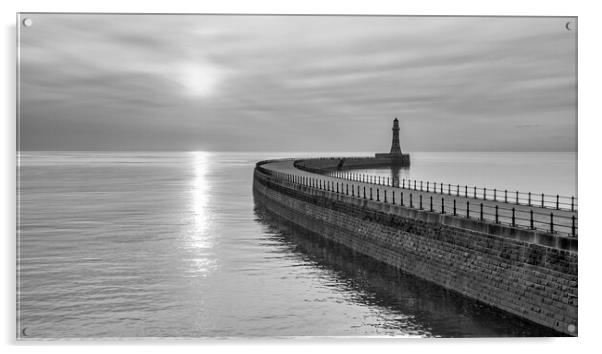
589 159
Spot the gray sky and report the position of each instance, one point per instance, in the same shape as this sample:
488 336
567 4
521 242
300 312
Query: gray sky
297 83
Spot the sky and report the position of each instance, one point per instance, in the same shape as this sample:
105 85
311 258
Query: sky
296 83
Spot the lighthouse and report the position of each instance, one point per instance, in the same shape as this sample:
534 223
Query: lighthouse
395 157
395 147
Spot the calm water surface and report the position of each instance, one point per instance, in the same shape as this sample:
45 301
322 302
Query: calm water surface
172 244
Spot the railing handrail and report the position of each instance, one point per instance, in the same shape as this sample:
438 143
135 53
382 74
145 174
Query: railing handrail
483 212
529 198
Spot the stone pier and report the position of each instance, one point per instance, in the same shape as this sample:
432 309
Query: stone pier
517 267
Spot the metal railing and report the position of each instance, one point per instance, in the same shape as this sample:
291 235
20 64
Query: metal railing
448 203
542 200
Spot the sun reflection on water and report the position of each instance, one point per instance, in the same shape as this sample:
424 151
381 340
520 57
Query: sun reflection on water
200 238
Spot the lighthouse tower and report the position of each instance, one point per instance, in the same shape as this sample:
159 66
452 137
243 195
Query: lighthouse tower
395 157
395 147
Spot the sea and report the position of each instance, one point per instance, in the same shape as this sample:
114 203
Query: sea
173 245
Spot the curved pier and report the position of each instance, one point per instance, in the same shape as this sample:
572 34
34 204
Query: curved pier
508 255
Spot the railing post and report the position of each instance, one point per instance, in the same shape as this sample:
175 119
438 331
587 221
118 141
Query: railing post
385 192
481 212
557 202
516 197
393 197
431 203
403 181
458 190
346 188
475 192
466 191
364 192
573 226
572 203
455 207
414 184
551 223
448 189
497 220
513 218
352 190
421 186
442 206
401 198
427 186
377 195
467 209
411 204
484 193
529 200
494 195
421 202
441 187
531 219
370 193
542 204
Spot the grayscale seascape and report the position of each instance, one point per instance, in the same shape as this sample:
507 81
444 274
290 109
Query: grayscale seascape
204 176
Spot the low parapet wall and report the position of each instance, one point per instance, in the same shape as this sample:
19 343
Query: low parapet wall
321 165
526 273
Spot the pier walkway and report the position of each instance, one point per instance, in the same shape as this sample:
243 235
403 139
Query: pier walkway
554 217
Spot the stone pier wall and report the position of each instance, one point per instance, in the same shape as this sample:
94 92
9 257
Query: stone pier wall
519 271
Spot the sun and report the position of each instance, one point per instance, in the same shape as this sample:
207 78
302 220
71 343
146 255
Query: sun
199 79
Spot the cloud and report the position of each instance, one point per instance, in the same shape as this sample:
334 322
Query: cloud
296 82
